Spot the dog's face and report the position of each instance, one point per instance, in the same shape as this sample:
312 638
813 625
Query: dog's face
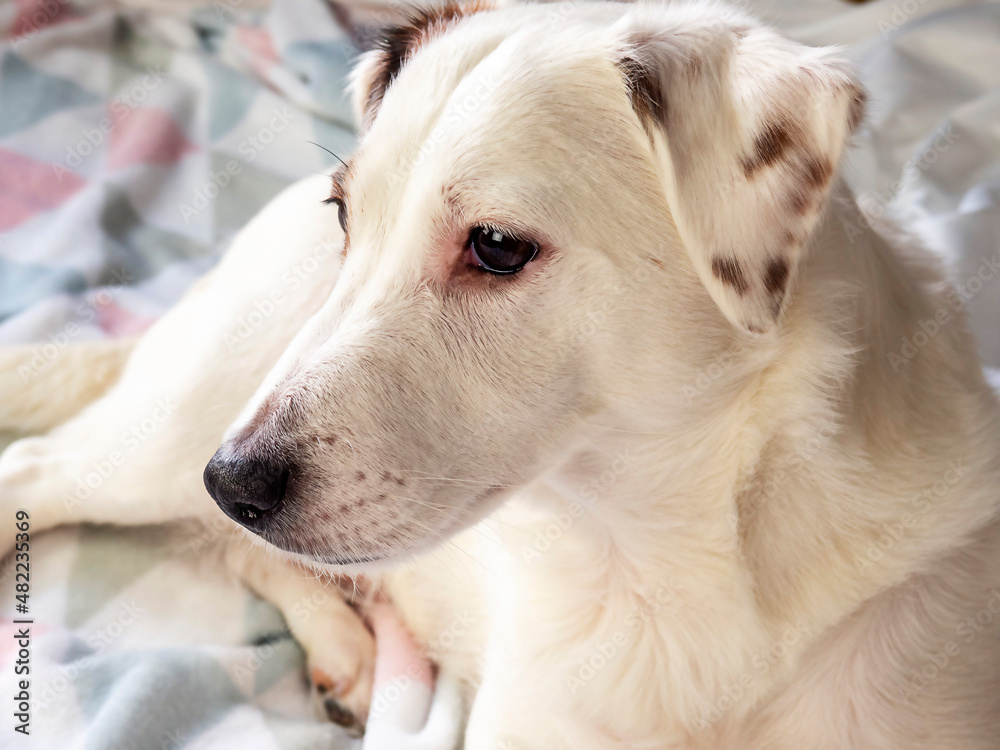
551 206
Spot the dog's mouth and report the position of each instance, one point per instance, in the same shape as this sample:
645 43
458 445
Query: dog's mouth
336 561
308 547
325 543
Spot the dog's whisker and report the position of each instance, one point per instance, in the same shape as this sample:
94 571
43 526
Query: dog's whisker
636 432
599 448
329 152
426 504
222 406
422 475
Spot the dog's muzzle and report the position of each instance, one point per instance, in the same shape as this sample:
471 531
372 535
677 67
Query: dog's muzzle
248 490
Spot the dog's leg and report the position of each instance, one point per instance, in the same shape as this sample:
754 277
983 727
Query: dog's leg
62 478
339 648
40 393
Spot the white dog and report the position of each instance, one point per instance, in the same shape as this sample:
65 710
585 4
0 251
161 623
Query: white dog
595 268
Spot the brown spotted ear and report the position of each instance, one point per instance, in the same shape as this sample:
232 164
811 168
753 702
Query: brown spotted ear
390 37
365 21
751 127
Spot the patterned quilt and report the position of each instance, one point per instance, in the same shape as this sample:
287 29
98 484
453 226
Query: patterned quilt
133 144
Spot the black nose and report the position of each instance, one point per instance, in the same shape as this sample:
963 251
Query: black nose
247 490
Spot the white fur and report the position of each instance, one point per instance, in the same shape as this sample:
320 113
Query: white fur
701 498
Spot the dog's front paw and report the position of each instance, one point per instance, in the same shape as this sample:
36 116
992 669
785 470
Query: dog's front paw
340 649
341 674
22 464
22 480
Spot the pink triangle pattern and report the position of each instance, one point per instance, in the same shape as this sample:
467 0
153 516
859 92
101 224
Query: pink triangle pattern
261 46
145 136
35 15
28 187
116 321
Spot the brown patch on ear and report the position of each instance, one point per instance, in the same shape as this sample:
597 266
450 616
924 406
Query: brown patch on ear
696 65
801 201
818 172
729 271
768 147
398 43
645 92
814 173
775 276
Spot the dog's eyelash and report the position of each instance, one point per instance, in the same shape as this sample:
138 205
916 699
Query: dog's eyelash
512 233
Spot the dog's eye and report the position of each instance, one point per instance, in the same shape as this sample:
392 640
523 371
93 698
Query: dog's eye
341 212
342 215
497 252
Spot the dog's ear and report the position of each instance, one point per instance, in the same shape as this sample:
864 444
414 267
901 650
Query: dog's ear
749 127
366 21
388 38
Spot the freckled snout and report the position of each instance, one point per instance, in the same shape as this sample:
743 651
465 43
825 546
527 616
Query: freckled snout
248 490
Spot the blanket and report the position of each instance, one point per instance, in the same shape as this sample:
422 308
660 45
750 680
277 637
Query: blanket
133 144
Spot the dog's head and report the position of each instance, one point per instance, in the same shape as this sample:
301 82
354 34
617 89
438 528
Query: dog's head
551 210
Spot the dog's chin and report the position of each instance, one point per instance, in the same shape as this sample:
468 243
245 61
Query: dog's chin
322 556
375 560
345 566
361 557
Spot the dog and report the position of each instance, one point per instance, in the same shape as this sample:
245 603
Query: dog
592 380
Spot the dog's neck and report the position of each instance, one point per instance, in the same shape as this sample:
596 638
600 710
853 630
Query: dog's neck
725 538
